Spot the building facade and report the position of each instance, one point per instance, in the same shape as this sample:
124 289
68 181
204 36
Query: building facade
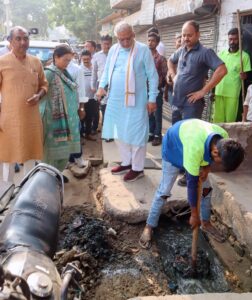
215 17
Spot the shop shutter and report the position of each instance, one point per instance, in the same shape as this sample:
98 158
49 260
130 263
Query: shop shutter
208 39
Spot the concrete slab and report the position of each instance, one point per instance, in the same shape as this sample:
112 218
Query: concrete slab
92 150
219 296
130 202
231 199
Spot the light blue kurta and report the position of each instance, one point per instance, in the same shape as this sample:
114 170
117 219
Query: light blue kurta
129 124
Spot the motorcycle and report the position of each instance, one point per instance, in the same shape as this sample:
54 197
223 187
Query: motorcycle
28 238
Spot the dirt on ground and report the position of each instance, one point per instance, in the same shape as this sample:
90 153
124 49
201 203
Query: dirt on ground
106 251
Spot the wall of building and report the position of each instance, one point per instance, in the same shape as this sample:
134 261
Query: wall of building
228 19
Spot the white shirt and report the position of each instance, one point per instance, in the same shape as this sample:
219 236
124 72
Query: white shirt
98 65
161 48
76 73
248 101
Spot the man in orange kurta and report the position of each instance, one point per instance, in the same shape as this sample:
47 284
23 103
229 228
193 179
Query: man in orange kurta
22 85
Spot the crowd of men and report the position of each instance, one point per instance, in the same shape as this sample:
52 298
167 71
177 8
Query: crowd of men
128 82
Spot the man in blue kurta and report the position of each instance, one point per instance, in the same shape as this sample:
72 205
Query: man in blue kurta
192 144
132 78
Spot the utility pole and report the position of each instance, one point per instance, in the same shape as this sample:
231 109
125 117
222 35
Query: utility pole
7 22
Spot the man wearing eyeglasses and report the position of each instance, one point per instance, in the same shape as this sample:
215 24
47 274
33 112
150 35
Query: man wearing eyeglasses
129 67
188 68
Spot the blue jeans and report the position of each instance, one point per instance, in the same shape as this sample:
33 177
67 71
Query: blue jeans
155 119
188 111
169 175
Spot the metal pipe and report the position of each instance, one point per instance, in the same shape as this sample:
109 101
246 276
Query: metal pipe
65 284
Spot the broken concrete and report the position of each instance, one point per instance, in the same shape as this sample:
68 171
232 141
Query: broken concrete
131 202
231 199
219 296
92 150
79 172
242 132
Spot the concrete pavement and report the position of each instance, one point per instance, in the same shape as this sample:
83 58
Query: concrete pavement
219 296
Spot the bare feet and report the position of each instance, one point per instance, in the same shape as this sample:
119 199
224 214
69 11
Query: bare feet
145 239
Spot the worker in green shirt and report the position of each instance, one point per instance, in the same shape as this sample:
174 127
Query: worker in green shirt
227 92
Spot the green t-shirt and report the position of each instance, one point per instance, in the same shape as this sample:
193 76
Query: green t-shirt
194 135
230 85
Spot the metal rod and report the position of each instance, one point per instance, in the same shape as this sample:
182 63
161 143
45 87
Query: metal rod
240 48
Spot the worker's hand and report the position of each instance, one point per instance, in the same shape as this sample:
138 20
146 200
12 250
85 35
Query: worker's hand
194 219
195 96
33 100
100 93
243 75
82 114
151 107
204 173
93 90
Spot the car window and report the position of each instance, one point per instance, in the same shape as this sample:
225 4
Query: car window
43 54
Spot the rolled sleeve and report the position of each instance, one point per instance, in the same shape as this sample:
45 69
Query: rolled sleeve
212 60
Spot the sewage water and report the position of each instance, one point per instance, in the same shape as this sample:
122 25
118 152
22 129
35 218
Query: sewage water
174 241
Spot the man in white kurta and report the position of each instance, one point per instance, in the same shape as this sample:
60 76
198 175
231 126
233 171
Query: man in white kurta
133 87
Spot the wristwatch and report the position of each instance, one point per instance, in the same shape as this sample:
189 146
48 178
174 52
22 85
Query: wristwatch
82 109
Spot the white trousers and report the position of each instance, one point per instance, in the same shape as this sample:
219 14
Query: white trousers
132 155
9 169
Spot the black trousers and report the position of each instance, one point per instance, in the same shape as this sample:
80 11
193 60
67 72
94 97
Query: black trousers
91 111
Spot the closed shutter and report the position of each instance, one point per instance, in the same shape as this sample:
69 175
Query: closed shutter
142 36
208 37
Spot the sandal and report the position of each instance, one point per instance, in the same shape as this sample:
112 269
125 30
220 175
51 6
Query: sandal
213 233
145 239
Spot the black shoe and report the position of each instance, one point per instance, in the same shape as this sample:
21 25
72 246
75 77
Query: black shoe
65 179
157 141
17 168
151 138
182 181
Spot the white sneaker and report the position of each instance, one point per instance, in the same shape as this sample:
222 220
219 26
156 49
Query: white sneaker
80 162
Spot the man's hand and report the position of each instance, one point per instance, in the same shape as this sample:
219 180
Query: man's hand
243 75
93 90
151 107
194 218
82 114
33 100
195 96
100 93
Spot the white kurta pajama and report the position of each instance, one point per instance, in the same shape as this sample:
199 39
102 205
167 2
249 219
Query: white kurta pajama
129 124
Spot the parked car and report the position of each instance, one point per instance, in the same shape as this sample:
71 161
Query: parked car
41 49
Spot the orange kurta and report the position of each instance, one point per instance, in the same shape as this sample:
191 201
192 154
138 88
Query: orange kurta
20 124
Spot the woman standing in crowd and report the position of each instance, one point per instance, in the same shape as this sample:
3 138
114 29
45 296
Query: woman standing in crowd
59 111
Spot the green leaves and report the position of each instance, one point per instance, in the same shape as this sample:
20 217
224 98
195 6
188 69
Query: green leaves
79 16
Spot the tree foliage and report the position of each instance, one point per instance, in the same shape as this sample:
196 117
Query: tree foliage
79 16
27 13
